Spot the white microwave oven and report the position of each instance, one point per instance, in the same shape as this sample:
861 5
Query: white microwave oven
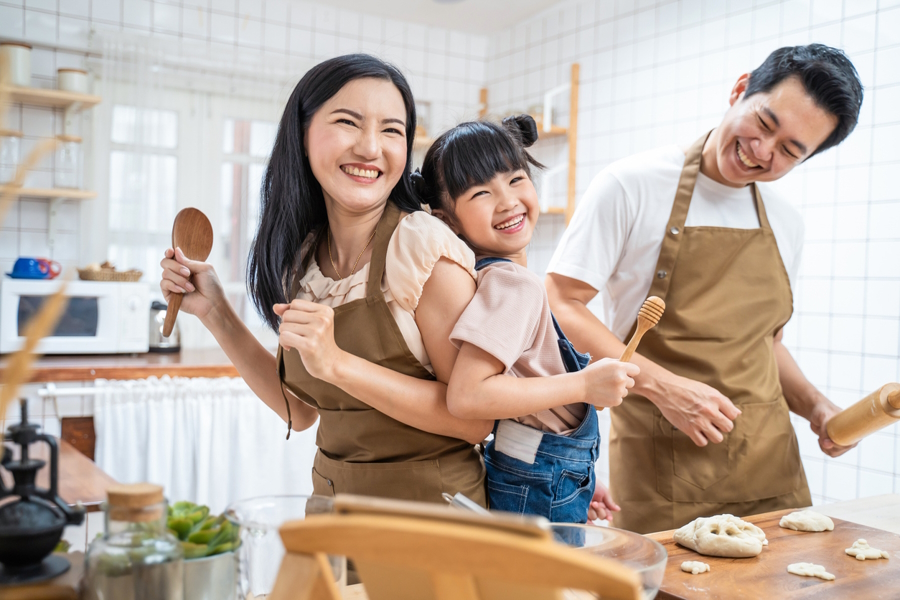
101 317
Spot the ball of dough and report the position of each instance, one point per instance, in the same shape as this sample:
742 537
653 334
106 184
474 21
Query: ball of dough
862 551
810 570
806 520
722 535
695 567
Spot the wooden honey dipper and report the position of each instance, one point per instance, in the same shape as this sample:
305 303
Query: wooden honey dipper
651 311
876 411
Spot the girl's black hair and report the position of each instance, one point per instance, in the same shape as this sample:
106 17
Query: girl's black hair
472 154
291 201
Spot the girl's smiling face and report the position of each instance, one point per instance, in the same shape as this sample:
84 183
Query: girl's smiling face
498 217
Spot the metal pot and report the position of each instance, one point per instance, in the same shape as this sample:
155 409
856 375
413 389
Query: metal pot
158 342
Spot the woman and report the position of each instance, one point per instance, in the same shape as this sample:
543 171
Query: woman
374 288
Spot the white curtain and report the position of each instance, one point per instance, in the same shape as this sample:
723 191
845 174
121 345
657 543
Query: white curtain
210 441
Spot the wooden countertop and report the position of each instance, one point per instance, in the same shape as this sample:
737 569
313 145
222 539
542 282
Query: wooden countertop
187 363
80 479
876 519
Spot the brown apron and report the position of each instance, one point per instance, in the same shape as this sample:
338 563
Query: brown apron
361 450
727 294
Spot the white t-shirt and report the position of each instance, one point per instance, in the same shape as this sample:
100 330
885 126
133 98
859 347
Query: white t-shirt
613 240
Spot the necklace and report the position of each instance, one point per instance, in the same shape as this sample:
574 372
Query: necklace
333 266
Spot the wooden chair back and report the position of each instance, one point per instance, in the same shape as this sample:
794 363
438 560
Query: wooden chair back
417 551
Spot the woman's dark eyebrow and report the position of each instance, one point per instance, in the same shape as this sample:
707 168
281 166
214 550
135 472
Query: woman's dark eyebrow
771 115
359 117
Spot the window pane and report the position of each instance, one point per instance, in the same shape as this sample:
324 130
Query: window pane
155 128
251 218
142 191
228 137
262 138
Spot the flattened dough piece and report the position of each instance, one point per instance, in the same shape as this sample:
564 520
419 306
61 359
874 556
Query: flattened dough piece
810 570
722 535
806 520
863 551
694 567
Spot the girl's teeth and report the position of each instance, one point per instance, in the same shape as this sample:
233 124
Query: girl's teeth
368 173
511 223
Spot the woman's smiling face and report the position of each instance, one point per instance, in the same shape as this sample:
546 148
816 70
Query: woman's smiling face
497 218
356 144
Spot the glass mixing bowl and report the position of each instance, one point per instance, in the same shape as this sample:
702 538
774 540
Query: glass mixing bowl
642 554
260 553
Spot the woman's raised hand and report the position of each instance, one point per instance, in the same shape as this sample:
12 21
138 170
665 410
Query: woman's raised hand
607 381
309 328
196 280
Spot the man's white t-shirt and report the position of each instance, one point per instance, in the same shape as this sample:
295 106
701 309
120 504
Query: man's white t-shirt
613 240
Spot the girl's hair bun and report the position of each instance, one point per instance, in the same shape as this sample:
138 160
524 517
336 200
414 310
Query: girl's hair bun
523 127
418 183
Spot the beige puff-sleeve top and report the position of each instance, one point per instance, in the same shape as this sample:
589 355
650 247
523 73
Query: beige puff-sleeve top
416 245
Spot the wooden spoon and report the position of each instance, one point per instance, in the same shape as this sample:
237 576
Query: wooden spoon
193 233
649 315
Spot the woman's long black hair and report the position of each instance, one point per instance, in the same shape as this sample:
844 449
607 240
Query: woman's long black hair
292 204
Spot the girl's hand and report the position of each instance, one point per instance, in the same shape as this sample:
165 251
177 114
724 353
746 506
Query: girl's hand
602 506
607 381
309 328
196 280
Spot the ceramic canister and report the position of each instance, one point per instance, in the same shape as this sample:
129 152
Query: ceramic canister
72 80
18 62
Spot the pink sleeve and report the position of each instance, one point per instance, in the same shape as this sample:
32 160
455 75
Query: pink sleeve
503 317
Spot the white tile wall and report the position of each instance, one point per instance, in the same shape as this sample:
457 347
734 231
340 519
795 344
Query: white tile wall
445 68
659 71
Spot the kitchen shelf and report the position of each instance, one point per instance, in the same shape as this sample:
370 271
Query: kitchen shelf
556 131
52 98
52 193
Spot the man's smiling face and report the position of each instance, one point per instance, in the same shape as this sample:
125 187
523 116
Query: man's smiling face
763 137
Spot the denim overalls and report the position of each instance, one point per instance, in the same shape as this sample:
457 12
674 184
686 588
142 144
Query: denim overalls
539 473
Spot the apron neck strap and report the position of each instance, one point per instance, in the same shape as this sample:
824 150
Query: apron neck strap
384 230
760 208
686 183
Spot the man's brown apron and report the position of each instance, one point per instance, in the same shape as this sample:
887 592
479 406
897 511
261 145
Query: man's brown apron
362 450
727 294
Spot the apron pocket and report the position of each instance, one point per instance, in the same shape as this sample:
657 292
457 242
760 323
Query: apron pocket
410 480
684 470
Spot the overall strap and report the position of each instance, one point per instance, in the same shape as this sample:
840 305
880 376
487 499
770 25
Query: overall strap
489 260
384 230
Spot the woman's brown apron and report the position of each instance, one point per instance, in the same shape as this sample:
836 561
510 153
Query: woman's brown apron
727 294
364 451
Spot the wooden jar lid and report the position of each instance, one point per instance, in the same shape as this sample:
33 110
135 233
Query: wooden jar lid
134 495
10 133
19 44
67 70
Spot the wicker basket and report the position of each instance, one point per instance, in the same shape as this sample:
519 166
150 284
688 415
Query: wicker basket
108 275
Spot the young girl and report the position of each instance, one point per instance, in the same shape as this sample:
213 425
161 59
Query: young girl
515 365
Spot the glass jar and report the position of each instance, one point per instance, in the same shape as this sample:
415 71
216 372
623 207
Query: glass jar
68 162
9 154
137 558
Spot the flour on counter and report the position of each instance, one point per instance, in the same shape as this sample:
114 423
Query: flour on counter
863 551
810 570
722 535
806 520
695 567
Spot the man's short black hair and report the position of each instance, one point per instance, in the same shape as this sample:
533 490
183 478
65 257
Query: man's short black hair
828 77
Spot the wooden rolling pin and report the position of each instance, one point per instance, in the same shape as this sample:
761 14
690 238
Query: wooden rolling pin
876 411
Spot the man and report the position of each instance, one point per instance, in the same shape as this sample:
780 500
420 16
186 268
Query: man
707 429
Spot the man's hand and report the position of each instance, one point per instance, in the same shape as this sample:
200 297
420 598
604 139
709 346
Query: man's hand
697 409
823 411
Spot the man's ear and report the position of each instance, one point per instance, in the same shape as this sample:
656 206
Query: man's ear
445 217
737 92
